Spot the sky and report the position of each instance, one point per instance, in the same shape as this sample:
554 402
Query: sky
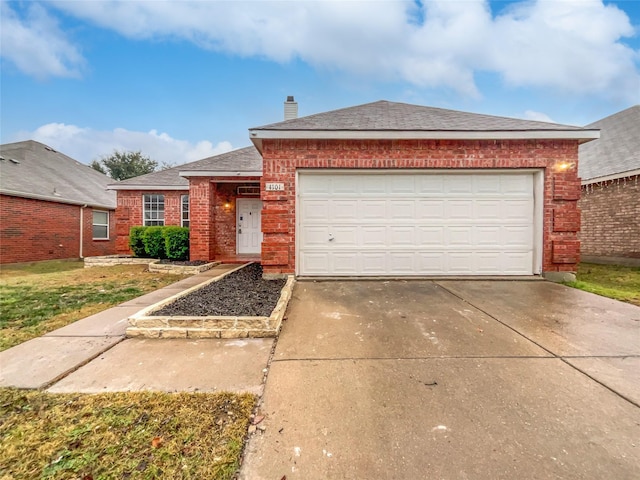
184 80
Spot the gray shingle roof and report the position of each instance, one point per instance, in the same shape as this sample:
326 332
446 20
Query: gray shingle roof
34 170
391 116
245 160
618 149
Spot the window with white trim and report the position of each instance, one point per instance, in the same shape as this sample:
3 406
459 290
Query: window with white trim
100 225
184 210
153 213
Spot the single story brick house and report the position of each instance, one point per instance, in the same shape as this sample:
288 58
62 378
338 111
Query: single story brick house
52 206
610 201
381 189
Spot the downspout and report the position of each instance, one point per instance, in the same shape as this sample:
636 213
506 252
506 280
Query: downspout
82 230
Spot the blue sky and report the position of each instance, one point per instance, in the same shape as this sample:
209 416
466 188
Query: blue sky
183 80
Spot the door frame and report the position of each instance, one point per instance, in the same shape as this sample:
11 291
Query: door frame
240 201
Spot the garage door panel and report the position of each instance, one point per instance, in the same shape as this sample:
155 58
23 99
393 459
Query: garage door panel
520 210
314 236
400 184
460 236
316 211
426 209
460 262
401 235
430 236
401 209
430 185
415 224
373 263
516 236
373 210
516 184
344 210
459 184
487 210
431 263
373 236
459 209
343 263
403 262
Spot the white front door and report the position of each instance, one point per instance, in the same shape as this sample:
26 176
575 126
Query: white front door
249 225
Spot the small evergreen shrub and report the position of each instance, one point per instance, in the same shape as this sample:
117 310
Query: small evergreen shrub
153 240
136 244
176 241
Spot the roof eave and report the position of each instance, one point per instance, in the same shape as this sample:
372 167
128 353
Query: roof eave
48 198
583 135
147 187
613 176
220 173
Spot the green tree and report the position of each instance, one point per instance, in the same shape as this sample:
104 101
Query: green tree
123 165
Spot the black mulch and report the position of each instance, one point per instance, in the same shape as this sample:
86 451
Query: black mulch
242 293
186 263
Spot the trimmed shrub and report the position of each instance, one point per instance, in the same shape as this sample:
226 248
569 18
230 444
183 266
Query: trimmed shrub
176 241
153 240
136 244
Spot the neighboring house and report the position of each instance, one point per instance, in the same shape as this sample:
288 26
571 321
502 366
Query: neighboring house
610 203
51 206
382 189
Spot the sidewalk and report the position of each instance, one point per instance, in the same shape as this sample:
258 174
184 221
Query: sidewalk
93 355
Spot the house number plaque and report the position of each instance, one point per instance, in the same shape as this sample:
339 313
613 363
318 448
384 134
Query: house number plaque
274 187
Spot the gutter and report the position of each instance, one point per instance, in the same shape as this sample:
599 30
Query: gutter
613 176
82 207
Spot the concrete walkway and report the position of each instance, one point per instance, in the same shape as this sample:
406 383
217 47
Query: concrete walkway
92 355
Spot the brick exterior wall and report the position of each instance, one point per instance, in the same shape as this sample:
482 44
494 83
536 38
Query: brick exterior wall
212 215
561 220
129 212
611 218
34 230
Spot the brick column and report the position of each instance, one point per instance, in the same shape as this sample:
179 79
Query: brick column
200 221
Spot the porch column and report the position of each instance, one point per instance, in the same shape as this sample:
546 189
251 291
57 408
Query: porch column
200 218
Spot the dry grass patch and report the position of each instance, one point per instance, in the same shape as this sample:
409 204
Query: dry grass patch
613 281
142 435
40 297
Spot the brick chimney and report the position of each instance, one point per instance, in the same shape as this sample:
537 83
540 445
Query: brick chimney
290 108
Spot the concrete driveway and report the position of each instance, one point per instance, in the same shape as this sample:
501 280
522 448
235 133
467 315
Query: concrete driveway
451 380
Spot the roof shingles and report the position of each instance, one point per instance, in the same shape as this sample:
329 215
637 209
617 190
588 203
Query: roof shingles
618 149
41 172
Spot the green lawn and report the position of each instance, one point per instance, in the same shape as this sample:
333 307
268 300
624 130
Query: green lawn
613 281
143 435
40 297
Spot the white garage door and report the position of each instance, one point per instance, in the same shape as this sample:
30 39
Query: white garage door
396 224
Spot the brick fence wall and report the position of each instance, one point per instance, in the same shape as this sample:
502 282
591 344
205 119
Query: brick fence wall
34 230
561 249
611 218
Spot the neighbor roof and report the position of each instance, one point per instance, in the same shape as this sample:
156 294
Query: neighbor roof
393 120
617 153
243 162
33 170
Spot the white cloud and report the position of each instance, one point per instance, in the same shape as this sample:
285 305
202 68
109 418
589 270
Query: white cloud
575 46
36 45
537 116
86 144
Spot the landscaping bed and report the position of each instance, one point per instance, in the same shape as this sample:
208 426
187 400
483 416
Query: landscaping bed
241 293
238 304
